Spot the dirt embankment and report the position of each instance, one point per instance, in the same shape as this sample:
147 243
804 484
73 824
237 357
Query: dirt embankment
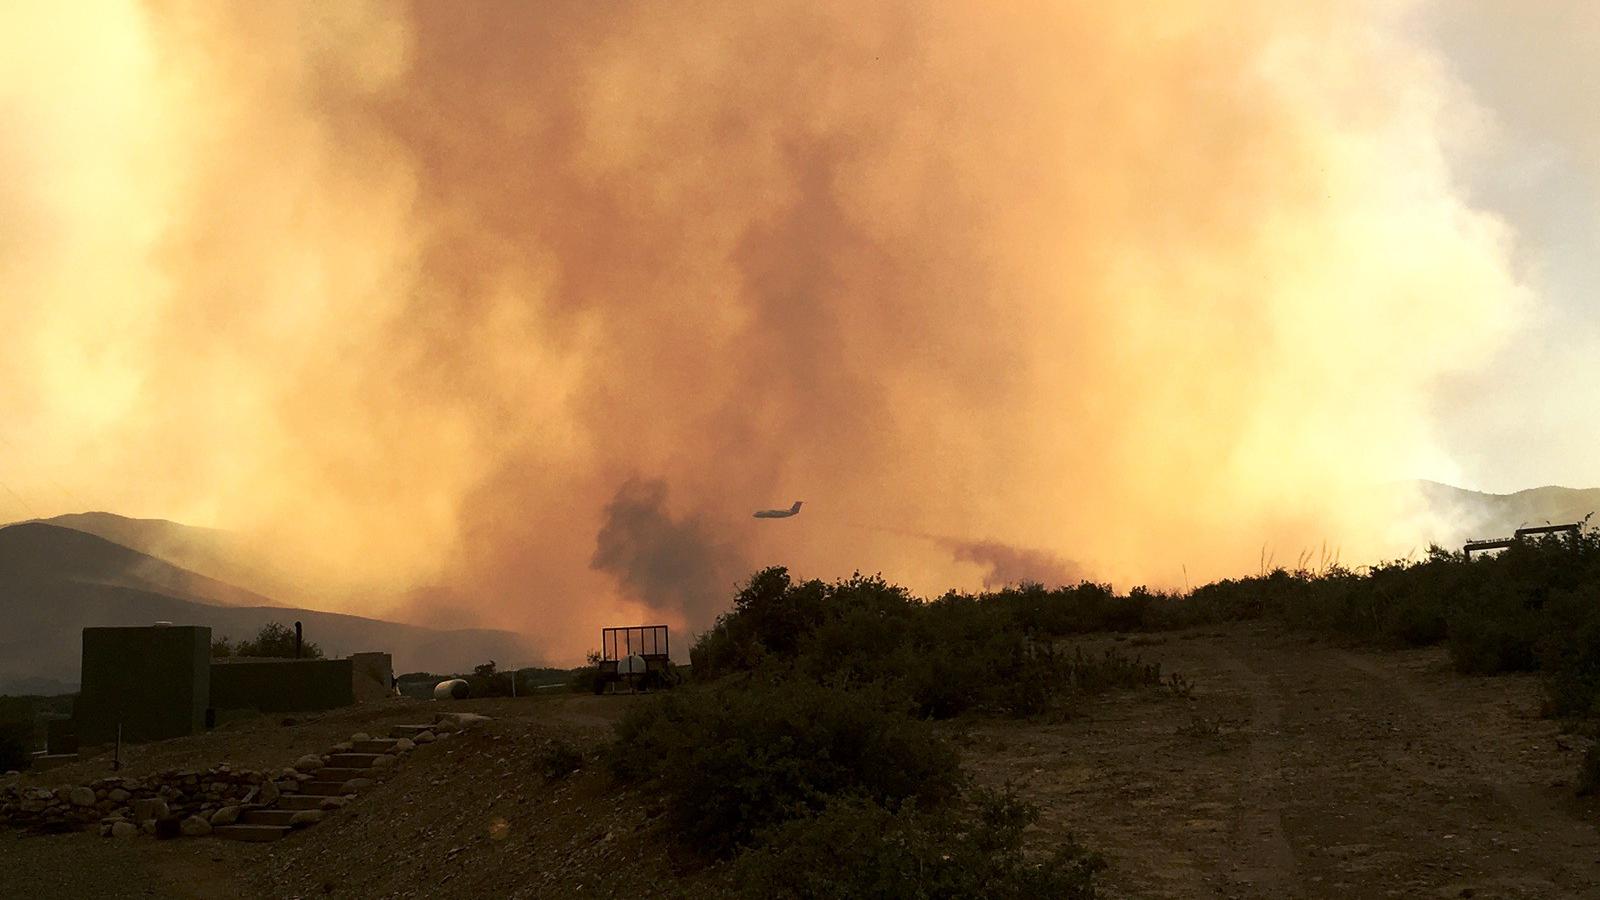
1297 769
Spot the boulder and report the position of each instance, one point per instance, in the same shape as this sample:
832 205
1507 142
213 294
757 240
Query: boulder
446 726
382 762
360 736
225 816
305 817
404 745
468 720
355 785
81 796
195 826
149 808
268 794
118 795
123 829
333 802
425 737
309 763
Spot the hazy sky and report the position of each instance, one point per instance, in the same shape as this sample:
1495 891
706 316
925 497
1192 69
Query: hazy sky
1531 415
512 313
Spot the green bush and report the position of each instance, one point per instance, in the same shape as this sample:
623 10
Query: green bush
737 759
557 759
273 640
857 848
1589 772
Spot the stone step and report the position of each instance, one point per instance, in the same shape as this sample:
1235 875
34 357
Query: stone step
267 817
376 745
323 788
250 832
331 773
352 760
406 731
297 802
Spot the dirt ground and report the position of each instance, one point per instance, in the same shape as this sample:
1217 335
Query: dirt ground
1297 768
1303 769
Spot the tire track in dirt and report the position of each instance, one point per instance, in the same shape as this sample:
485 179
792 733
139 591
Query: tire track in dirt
1385 789
1263 862
1301 769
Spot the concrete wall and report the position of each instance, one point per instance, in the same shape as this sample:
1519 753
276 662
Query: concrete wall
374 676
153 680
282 685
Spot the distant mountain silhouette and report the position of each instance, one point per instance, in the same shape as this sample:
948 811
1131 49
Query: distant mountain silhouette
1474 514
54 581
219 554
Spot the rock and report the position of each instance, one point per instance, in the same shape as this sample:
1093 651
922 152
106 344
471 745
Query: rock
149 808
308 763
383 762
195 826
342 747
446 726
425 737
305 817
123 829
359 737
404 745
355 785
225 816
468 720
268 794
81 796
334 802
118 795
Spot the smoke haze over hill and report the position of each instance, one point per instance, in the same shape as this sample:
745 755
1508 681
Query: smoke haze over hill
412 293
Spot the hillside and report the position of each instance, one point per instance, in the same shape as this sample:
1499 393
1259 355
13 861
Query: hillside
54 581
220 554
1479 515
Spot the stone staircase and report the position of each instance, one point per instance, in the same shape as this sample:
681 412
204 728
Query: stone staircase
345 771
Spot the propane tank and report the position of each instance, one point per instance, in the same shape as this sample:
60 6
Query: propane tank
454 689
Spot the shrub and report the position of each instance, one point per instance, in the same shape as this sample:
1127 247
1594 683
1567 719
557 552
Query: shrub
737 759
1589 772
557 759
273 640
857 848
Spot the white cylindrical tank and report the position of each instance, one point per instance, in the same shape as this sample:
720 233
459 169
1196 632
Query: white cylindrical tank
454 689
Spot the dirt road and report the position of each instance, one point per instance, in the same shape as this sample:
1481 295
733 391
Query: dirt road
1302 769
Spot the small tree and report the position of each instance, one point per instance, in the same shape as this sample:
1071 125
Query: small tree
273 640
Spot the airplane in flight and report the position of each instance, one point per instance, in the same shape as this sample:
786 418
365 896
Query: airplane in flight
778 513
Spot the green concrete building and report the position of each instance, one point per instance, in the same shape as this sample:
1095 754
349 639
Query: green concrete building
154 681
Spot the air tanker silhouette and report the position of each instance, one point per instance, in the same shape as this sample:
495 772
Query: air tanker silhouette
778 513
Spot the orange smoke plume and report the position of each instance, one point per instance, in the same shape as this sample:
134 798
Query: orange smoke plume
494 312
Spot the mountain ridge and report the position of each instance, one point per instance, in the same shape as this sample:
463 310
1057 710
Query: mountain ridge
55 581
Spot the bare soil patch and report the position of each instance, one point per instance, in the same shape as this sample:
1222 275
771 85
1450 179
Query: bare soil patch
1303 769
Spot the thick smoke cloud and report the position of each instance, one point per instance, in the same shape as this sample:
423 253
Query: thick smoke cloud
678 567
408 293
1005 565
